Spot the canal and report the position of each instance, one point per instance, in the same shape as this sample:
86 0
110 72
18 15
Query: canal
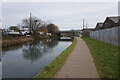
27 60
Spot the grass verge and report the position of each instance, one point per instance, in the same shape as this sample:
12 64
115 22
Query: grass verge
52 68
105 57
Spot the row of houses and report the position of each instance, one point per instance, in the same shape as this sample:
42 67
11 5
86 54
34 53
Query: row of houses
6 32
108 23
20 32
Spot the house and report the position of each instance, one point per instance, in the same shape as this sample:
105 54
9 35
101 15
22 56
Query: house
15 28
111 22
98 26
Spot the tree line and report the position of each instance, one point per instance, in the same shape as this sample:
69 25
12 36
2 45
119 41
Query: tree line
35 25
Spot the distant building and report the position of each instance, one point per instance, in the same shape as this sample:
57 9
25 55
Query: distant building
86 32
111 22
15 28
77 32
98 26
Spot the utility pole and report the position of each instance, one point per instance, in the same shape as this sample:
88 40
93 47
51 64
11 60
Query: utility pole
86 25
30 23
83 23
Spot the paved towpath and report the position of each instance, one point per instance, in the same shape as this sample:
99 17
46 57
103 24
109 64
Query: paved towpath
79 63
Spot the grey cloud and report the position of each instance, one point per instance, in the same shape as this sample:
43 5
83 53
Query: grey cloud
65 15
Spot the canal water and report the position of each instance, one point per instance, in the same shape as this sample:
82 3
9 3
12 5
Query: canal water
26 61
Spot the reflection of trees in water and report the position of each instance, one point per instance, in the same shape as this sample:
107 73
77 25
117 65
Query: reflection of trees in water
0 56
38 48
12 48
9 49
50 43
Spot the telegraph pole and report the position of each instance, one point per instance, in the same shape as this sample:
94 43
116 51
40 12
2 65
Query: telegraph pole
83 23
86 25
30 23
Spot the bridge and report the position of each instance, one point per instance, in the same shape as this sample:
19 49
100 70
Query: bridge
70 33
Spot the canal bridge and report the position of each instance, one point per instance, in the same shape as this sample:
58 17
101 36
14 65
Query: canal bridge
70 33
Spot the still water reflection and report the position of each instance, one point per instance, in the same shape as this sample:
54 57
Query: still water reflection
26 61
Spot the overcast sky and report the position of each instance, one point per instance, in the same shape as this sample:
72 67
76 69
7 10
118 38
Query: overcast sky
66 15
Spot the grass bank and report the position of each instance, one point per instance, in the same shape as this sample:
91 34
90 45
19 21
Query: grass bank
52 68
105 57
8 41
12 41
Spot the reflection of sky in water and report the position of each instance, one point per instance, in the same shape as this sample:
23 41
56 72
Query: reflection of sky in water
28 60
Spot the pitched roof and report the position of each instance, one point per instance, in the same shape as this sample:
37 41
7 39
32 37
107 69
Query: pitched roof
100 24
115 18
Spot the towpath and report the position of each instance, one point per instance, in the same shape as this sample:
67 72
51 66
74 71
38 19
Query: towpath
79 63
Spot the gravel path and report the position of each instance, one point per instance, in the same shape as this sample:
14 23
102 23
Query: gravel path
79 63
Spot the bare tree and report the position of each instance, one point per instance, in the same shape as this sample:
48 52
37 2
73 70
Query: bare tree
33 24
